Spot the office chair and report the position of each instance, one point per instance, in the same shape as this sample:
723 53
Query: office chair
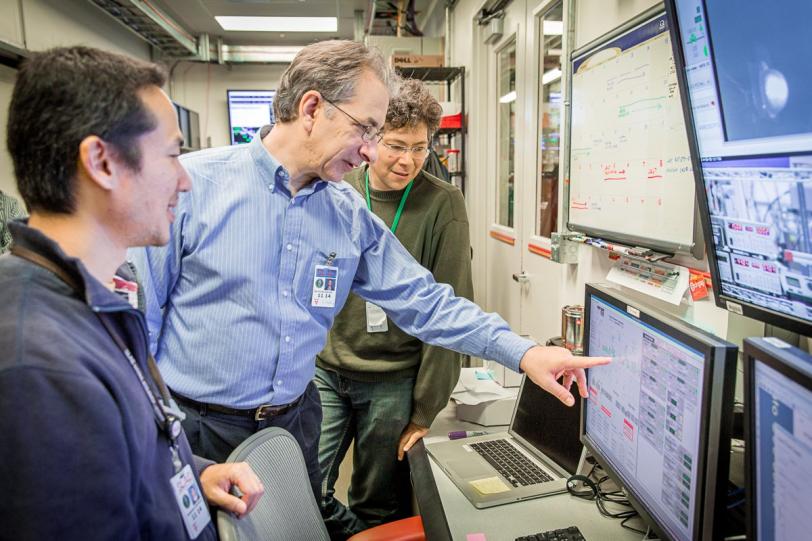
288 511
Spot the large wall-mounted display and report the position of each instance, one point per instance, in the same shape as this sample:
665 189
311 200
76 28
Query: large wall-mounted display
745 77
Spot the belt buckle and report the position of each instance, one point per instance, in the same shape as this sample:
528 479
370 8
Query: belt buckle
263 412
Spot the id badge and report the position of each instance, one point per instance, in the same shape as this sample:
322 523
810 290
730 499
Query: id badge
376 318
325 280
192 504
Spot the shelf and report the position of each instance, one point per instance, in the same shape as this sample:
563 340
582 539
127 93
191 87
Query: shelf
12 55
430 74
448 131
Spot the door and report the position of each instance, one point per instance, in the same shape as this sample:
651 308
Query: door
547 287
501 65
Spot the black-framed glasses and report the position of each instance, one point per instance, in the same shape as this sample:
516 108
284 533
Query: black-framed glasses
370 134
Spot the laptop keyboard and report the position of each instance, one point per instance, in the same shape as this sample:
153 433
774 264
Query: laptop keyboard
564 534
510 463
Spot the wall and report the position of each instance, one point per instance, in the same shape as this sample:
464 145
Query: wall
50 23
202 88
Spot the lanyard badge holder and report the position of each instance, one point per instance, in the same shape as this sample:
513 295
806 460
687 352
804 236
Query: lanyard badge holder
376 317
192 505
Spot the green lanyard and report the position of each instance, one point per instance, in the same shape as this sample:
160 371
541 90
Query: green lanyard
400 207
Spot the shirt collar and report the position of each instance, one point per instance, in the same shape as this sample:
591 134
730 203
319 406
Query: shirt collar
93 292
273 172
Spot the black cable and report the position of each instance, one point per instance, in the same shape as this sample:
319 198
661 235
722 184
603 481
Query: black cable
623 523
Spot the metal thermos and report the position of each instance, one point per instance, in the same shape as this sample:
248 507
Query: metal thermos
572 328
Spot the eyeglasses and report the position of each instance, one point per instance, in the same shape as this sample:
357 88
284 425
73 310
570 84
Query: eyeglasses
418 152
371 134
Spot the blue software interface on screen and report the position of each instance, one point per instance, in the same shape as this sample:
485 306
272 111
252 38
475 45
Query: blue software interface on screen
783 456
748 76
643 413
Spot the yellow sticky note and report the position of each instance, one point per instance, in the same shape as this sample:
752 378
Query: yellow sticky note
490 485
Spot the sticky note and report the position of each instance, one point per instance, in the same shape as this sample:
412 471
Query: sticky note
475 537
490 485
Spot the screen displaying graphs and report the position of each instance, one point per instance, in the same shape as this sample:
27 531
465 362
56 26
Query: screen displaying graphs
783 469
644 413
630 165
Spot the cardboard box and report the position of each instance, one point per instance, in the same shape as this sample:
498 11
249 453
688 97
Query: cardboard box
493 413
417 60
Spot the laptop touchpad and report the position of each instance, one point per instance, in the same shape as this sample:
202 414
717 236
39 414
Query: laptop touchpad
473 467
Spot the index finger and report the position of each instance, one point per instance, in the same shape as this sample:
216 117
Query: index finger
586 362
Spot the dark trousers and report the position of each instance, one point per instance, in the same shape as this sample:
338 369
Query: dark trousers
374 416
215 435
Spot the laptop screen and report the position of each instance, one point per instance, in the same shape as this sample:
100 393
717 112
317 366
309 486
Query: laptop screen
548 425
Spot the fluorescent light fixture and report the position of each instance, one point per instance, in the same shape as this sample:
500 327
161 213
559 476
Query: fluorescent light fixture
550 76
260 53
552 28
277 24
509 97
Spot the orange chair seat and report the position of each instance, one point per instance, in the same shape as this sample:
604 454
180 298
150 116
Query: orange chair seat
407 529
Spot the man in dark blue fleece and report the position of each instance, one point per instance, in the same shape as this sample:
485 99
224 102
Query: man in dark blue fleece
91 442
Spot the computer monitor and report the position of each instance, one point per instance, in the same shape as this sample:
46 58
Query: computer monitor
192 138
189 124
659 416
778 440
248 111
743 70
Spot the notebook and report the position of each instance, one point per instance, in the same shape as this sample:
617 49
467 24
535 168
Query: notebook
534 458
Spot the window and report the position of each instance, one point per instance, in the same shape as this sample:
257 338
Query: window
550 43
506 77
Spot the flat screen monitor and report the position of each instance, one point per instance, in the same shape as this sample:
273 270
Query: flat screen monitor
192 138
248 111
658 418
778 440
743 69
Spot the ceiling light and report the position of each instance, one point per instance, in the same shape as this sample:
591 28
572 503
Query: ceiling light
550 76
509 97
278 24
552 28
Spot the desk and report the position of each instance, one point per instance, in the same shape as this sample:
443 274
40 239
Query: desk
507 522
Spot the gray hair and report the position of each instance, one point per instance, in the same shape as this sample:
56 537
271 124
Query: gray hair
332 68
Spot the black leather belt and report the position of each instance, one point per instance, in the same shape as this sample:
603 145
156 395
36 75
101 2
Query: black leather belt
260 413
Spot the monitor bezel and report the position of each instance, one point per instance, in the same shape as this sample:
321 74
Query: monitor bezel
723 300
783 360
228 107
718 385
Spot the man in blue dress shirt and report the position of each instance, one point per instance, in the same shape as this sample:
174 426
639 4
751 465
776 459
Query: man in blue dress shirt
268 245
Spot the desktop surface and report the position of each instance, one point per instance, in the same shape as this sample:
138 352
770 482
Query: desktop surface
510 521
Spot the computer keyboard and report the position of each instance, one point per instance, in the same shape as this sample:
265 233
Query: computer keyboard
564 534
510 463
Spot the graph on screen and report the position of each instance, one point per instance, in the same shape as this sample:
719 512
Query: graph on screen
630 172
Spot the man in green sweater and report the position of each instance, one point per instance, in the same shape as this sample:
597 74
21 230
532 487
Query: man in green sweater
379 385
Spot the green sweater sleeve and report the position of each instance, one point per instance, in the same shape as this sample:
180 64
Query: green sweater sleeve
440 368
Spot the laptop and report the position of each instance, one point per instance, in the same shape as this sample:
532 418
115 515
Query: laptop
534 458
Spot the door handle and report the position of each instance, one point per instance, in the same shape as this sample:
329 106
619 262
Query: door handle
522 277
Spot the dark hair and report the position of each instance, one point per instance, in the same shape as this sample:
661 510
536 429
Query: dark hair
411 105
62 96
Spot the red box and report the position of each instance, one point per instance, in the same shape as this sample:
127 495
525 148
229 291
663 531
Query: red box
451 122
